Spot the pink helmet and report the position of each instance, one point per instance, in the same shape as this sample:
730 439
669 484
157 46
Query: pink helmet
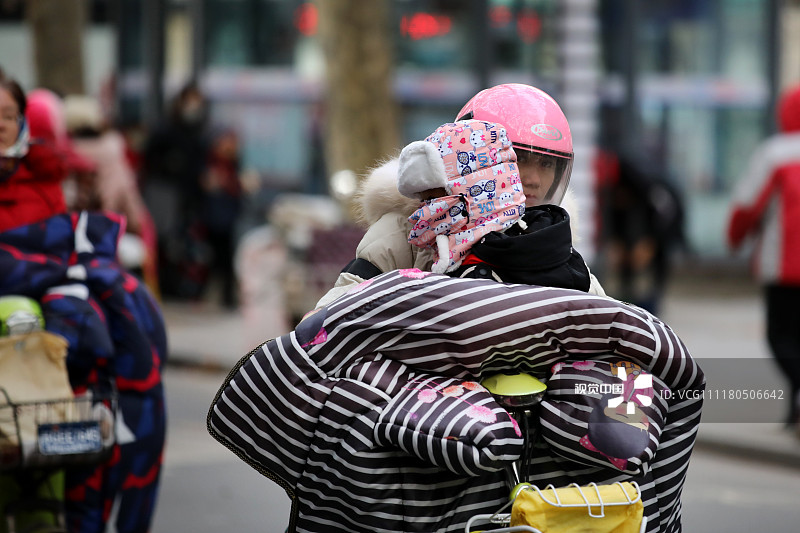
534 122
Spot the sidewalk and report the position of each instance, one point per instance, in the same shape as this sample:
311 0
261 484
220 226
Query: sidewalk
720 314
715 317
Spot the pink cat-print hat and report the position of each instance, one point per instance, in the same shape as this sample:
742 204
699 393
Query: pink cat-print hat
474 162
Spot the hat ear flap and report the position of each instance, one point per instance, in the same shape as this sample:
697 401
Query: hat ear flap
443 247
420 169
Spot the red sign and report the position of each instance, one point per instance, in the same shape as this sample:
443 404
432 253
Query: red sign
424 26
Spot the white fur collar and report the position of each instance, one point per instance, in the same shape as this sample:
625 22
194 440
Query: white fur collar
378 194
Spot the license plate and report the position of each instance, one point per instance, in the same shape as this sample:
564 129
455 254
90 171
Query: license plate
70 438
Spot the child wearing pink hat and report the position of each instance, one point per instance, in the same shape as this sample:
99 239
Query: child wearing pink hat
538 133
466 173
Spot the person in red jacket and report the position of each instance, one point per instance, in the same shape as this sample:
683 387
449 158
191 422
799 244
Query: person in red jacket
35 155
31 171
766 205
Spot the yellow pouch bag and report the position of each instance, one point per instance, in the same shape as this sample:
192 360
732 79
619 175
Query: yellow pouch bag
32 368
577 509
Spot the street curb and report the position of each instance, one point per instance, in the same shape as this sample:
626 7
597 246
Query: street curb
748 452
190 362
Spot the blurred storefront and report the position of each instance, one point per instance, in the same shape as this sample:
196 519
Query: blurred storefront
686 89
684 85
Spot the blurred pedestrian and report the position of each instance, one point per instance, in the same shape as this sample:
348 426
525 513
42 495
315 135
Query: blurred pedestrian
112 324
114 187
222 201
174 160
642 226
31 173
766 205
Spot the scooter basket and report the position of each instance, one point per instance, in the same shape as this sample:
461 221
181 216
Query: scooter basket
56 433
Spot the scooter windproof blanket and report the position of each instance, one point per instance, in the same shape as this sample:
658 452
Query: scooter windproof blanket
370 414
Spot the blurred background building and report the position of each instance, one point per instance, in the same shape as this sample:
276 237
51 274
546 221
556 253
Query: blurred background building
686 87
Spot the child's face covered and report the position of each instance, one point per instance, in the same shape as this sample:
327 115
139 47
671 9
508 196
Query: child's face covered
438 216
476 188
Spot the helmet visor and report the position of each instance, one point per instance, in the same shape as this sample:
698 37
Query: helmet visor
544 177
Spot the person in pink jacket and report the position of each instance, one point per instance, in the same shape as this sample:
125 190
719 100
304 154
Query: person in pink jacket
114 186
766 205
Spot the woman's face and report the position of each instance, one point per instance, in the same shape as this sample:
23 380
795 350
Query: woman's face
9 120
537 173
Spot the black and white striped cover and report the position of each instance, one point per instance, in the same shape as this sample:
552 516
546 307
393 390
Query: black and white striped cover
318 410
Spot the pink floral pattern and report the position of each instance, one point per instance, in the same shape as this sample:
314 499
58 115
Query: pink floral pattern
321 337
427 396
413 273
484 190
476 412
360 287
618 463
453 390
481 413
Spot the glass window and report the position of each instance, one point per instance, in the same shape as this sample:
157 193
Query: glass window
524 35
442 34
678 36
724 37
434 34
739 132
274 140
275 30
691 146
421 120
228 32
744 39
250 32
702 89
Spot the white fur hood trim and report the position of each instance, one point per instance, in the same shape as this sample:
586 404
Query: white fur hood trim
378 194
